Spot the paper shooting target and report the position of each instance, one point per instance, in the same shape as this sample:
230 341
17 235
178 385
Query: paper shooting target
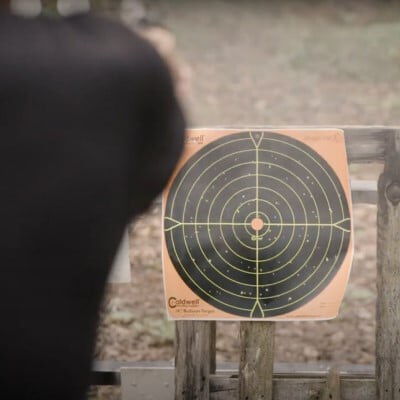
256 224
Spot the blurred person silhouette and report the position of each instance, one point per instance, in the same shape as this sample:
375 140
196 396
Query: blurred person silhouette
90 132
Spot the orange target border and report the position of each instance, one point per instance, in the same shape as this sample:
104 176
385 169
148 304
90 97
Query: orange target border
183 303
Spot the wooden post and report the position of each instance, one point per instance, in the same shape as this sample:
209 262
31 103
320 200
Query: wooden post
49 7
388 276
107 7
256 360
332 387
213 347
194 359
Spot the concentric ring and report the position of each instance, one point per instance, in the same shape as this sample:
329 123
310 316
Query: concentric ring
257 179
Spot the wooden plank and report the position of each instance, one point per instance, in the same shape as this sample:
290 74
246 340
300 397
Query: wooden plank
332 389
192 360
223 388
364 192
292 381
358 389
298 389
138 383
213 347
108 372
388 276
256 360
366 145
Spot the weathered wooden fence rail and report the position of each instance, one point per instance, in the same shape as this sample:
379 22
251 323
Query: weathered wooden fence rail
257 378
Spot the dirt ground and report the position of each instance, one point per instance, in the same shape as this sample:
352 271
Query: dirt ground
258 63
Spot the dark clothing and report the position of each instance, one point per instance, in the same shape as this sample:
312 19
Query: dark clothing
90 132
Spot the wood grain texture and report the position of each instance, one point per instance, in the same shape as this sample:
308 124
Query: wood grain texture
223 388
332 390
388 276
294 381
364 192
256 360
366 145
108 372
193 360
213 347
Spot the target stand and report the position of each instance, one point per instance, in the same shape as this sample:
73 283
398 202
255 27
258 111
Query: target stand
257 224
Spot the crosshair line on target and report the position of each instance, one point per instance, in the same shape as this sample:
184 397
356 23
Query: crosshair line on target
339 224
268 158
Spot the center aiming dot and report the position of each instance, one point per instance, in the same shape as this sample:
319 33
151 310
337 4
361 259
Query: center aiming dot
257 224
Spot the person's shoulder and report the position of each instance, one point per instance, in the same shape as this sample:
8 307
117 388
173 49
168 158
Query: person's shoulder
116 45
81 35
112 35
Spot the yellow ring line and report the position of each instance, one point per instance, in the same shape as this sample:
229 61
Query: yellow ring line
244 176
335 225
257 302
251 260
290 172
204 155
244 258
278 194
266 220
304 236
312 290
290 209
341 205
301 202
235 307
201 289
271 151
310 256
254 212
265 247
216 269
267 272
267 163
265 201
312 158
262 298
316 181
227 184
247 224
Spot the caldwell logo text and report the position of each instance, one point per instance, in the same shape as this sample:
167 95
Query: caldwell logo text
173 302
199 139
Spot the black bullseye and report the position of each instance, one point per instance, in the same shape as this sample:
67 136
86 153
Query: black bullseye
257 224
